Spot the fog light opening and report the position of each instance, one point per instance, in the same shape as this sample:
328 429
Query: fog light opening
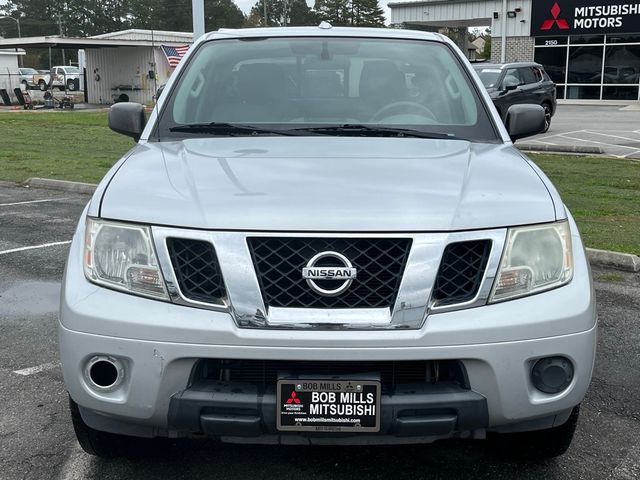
552 374
104 373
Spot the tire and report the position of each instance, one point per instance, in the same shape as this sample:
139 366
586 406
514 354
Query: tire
25 85
540 444
547 117
71 85
105 444
42 85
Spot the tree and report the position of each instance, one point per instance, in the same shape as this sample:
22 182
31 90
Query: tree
222 14
274 12
336 12
297 12
301 14
367 13
486 51
358 13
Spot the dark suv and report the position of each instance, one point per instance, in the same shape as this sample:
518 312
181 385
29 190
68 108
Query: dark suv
514 83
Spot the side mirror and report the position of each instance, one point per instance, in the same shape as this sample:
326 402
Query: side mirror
524 121
510 83
128 119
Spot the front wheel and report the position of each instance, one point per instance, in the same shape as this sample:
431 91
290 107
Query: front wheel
540 444
25 85
42 85
547 117
71 85
105 444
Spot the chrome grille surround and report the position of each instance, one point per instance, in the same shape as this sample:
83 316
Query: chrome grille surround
413 304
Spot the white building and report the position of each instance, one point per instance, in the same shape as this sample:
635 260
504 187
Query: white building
132 72
9 75
125 65
590 48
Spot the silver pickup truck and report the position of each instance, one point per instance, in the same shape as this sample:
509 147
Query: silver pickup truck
326 236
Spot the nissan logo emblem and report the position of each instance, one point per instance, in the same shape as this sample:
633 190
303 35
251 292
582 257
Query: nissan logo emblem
339 270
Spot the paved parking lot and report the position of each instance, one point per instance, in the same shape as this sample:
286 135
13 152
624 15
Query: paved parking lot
37 441
614 129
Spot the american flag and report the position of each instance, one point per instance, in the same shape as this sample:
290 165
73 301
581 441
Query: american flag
174 54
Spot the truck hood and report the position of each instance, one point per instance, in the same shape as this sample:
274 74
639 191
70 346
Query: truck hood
327 184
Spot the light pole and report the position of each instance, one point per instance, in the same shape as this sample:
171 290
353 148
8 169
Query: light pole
19 35
197 10
503 42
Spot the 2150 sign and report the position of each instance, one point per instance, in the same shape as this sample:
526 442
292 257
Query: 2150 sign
584 17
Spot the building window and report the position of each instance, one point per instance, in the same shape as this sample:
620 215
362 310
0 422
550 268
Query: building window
575 92
622 38
586 39
554 61
622 64
620 93
592 67
585 65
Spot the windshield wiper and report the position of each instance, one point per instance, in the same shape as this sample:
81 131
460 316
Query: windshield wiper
229 129
351 129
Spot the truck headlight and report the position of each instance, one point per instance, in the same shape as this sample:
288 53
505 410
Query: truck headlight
121 256
535 259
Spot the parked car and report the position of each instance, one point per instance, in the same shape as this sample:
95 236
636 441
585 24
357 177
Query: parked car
62 77
519 83
26 77
280 262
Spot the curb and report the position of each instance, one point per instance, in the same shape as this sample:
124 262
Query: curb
620 261
584 149
603 258
64 185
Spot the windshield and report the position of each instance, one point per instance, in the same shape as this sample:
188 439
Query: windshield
71 70
297 83
28 71
489 76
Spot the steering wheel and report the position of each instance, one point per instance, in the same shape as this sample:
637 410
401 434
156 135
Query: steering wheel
384 111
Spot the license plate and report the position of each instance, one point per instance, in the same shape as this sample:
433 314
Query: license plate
328 405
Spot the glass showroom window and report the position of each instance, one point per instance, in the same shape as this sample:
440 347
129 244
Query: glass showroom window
592 67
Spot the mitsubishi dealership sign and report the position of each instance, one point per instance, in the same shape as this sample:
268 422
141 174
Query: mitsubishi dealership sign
584 17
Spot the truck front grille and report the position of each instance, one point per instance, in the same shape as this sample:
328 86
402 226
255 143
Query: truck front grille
197 270
267 372
461 271
380 263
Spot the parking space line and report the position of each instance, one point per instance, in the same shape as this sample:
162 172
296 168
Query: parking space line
33 201
635 140
34 247
559 134
543 143
37 369
613 145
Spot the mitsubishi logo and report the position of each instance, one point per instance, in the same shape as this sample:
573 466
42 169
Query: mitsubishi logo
293 398
560 22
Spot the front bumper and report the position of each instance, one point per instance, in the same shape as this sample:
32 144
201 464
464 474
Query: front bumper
498 374
159 344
